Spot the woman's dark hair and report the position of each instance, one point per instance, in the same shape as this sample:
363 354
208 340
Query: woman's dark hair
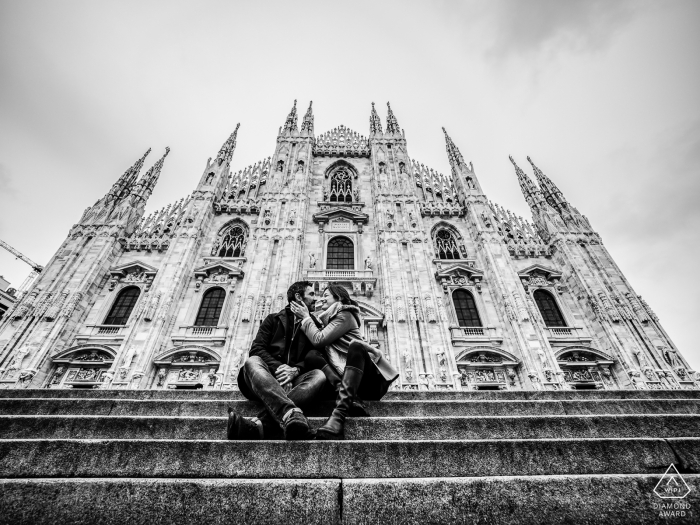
339 292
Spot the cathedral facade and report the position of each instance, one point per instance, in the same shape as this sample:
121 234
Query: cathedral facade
457 292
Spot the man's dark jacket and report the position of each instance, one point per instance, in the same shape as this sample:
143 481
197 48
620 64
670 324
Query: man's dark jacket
274 345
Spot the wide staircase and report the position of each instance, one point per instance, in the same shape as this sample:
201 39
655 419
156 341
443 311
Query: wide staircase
113 456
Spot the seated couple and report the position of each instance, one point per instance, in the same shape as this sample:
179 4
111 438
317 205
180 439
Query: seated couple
298 357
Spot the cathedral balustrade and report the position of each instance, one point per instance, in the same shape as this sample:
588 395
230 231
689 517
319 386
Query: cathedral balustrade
96 332
213 334
329 275
465 334
362 281
567 335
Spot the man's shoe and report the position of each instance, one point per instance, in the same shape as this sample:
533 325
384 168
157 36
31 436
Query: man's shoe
296 426
240 427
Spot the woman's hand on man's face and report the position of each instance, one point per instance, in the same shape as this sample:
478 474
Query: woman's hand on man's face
299 309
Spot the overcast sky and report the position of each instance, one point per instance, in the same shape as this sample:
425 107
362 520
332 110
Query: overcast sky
603 95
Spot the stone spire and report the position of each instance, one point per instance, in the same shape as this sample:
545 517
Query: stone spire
226 151
551 193
123 185
452 151
145 185
392 125
532 194
308 123
291 122
375 123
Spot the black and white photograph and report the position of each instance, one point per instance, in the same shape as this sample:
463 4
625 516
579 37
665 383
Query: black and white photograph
370 262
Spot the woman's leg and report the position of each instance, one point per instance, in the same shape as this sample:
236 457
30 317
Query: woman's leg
315 360
334 427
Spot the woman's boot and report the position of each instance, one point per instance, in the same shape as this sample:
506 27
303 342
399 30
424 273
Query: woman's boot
357 409
334 428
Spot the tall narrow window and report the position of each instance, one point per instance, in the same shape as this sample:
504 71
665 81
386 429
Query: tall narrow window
232 242
210 309
445 245
341 186
465 306
341 254
122 307
548 308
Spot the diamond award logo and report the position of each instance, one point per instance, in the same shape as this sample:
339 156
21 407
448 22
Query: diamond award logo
672 485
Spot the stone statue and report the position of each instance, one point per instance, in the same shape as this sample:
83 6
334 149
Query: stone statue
368 263
325 194
672 357
312 260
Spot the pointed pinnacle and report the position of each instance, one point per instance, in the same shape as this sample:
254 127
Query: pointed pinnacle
392 125
308 123
375 123
291 122
226 151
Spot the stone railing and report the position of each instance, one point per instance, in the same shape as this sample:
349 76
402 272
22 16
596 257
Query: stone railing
363 281
463 333
197 333
101 331
337 275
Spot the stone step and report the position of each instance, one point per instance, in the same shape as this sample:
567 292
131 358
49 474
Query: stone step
391 408
374 428
343 459
615 499
584 499
231 395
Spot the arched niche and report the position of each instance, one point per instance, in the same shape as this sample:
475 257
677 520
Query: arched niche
585 368
487 368
82 366
187 367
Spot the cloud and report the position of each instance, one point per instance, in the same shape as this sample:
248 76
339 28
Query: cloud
554 25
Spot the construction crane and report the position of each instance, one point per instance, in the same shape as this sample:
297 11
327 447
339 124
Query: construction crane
36 268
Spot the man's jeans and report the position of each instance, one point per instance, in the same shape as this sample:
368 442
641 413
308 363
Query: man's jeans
307 389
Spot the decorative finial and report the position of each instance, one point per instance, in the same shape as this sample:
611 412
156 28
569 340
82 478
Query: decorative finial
375 123
226 151
392 125
308 123
291 122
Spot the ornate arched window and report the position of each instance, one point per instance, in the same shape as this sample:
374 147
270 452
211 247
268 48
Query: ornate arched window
232 241
465 306
122 307
341 254
341 186
445 245
548 308
210 309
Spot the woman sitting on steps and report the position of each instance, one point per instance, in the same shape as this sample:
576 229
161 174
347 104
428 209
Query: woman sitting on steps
356 369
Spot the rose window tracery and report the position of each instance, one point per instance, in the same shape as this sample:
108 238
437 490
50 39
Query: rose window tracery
232 243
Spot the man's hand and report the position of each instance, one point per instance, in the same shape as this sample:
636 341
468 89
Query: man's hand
285 373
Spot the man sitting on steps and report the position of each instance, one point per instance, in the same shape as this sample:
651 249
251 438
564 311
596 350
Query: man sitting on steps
276 364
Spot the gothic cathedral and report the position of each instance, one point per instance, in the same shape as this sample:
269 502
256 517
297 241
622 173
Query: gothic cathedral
456 291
